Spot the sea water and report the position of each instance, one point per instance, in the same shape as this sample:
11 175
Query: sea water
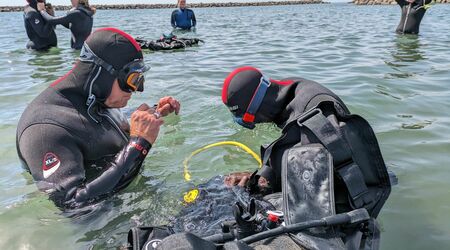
400 84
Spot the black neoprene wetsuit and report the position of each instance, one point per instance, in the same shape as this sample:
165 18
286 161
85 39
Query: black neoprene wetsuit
77 153
183 19
300 96
40 32
78 20
412 14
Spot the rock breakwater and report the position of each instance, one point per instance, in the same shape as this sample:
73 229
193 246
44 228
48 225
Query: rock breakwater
171 6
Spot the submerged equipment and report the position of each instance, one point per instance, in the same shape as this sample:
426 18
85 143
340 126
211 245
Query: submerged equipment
353 217
168 42
187 175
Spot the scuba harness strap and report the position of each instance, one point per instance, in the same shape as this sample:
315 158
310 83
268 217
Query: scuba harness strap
333 140
357 159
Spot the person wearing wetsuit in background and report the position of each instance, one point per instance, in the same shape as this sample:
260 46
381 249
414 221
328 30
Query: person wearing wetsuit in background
79 20
41 33
182 17
412 14
72 137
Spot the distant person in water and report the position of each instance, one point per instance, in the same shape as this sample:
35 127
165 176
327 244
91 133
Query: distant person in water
412 14
182 17
79 20
41 33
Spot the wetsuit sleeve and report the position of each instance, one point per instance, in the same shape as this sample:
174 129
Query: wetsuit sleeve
172 19
194 21
56 162
42 29
63 20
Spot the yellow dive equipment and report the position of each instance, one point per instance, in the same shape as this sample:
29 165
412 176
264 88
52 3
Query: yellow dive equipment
192 195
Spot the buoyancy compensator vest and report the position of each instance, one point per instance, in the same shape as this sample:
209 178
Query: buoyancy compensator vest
334 165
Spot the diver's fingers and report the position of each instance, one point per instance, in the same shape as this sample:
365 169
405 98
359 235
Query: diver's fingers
143 107
243 181
229 180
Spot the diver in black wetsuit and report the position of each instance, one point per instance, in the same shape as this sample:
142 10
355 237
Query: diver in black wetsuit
41 33
326 162
73 139
317 131
412 14
79 20
183 17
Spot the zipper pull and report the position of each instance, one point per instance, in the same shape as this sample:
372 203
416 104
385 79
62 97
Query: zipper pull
90 100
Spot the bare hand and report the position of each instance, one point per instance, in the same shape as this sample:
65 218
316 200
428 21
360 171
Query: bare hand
167 105
239 179
145 124
40 6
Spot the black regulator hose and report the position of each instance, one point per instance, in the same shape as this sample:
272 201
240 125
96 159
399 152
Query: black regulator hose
220 238
352 217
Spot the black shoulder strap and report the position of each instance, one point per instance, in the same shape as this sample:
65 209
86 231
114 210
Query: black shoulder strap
266 152
332 139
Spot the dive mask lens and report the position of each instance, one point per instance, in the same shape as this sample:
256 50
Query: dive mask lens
244 124
134 79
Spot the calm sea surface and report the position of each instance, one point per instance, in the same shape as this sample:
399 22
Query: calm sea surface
400 84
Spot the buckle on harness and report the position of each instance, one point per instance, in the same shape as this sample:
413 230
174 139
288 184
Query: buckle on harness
307 115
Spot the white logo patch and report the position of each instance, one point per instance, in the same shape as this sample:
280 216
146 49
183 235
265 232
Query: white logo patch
50 164
235 107
153 244
36 21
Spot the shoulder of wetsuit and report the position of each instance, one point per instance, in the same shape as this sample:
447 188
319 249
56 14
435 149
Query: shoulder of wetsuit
31 13
294 79
85 11
28 9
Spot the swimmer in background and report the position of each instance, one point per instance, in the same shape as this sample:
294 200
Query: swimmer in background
79 20
412 14
183 17
41 33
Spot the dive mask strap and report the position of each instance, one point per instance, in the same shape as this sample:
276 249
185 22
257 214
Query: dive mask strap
87 55
255 103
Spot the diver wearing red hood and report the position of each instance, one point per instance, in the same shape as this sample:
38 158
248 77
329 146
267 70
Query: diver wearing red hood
72 138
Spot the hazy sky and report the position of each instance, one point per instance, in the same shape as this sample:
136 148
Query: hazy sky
93 2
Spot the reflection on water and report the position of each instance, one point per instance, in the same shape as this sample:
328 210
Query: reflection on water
407 51
48 65
408 48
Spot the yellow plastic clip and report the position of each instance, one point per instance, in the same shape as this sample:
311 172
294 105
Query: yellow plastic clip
191 196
